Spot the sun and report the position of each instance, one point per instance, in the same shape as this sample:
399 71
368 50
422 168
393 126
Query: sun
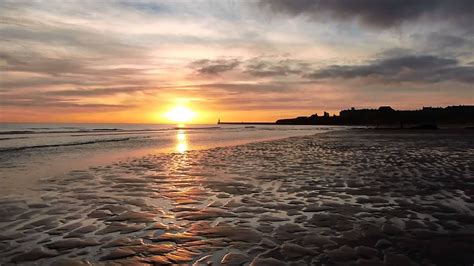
180 114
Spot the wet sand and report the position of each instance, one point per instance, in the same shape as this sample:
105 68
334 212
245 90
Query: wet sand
354 197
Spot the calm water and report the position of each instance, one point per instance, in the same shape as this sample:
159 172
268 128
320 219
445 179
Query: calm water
30 152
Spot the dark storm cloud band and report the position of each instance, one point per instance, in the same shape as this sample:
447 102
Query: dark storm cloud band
423 69
402 68
267 68
377 13
214 67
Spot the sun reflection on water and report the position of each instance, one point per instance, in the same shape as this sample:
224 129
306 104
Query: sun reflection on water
181 144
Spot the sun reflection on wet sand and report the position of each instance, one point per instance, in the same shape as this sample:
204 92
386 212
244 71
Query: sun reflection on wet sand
182 144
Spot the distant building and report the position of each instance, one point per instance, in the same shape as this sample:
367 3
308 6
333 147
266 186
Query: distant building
427 117
432 108
386 109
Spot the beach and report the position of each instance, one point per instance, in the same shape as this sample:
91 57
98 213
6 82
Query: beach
344 197
32 152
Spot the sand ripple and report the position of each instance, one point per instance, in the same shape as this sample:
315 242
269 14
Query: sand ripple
353 197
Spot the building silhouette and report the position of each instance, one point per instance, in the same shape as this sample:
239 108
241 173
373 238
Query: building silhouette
428 117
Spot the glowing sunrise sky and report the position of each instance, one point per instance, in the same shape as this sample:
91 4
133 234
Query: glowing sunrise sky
133 61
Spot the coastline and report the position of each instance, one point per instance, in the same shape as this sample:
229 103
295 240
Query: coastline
306 199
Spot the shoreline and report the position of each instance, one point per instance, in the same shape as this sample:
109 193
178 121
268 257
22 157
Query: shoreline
24 167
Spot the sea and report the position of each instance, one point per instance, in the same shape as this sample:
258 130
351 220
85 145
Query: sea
30 153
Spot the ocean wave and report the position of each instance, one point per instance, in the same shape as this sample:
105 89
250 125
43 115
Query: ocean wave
93 131
16 132
24 132
195 128
62 144
14 138
106 129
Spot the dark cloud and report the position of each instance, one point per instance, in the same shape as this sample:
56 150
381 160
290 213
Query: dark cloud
378 13
445 43
257 66
267 68
394 65
447 40
410 68
214 67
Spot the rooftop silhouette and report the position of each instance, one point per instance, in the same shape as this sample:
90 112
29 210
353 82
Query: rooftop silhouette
427 117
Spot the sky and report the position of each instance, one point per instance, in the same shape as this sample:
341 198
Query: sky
134 61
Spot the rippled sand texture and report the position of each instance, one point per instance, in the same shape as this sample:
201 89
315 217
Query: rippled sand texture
353 197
